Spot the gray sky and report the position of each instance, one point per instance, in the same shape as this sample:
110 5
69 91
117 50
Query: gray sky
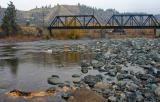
149 6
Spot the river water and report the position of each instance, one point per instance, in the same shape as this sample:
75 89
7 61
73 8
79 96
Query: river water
27 65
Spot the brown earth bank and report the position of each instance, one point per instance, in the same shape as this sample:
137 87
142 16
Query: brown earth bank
86 95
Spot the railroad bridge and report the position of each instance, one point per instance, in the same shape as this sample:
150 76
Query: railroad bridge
117 21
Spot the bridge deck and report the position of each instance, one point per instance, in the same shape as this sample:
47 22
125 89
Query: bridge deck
106 27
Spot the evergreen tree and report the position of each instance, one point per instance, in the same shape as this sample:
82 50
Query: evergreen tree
9 25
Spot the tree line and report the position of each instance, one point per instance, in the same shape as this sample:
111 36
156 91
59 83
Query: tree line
9 24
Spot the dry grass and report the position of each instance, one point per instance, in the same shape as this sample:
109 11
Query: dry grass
33 33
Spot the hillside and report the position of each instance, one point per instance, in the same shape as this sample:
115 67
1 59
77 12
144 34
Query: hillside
36 15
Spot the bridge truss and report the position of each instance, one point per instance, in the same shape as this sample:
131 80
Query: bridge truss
119 21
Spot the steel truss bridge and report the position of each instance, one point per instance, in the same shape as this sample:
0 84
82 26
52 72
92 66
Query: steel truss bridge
118 21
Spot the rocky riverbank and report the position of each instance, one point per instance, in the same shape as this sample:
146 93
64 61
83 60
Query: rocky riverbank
128 70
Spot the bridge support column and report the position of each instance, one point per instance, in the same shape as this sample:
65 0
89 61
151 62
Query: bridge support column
155 32
50 32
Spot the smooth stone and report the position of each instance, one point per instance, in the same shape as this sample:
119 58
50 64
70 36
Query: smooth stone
131 96
157 91
124 76
97 64
91 80
54 81
67 83
84 71
132 72
102 70
76 75
122 97
112 99
131 86
108 67
56 76
109 79
139 98
76 81
118 68
155 56
85 64
112 72
158 73
124 71
67 94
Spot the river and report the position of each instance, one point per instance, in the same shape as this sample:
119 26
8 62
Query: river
27 65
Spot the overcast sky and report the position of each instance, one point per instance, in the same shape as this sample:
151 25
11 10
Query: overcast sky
149 6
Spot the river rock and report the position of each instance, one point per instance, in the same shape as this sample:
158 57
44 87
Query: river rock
158 73
76 81
55 76
121 97
67 94
124 71
54 81
112 72
108 67
124 76
84 63
97 64
131 96
131 86
118 68
76 75
112 99
139 98
157 91
155 56
91 80
84 70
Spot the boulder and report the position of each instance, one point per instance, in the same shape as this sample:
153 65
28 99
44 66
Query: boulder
91 80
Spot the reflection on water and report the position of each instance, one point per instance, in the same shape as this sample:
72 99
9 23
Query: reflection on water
31 66
65 58
12 64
